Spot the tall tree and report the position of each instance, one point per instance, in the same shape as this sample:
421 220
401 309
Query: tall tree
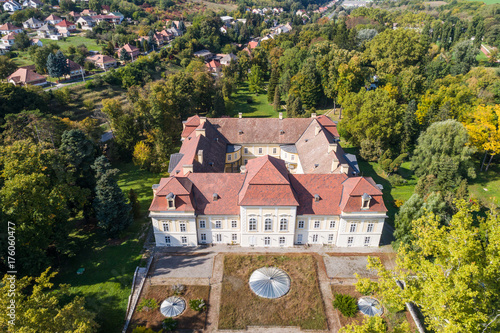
7 67
57 65
277 99
464 57
255 79
451 273
39 309
124 56
443 152
112 210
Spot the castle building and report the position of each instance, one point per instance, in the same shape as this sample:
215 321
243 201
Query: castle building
265 182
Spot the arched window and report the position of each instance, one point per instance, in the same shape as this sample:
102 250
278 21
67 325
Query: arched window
268 224
283 225
252 224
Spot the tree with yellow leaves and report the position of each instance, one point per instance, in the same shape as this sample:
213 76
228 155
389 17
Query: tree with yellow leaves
484 130
451 273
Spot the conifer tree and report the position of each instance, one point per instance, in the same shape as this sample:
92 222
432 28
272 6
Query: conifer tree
112 210
277 99
57 65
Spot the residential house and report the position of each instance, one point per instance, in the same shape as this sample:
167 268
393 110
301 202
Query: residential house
166 35
226 59
65 27
86 22
205 54
88 12
48 31
214 67
175 31
132 51
226 20
7 28
36 41
113 19
354 4
32 4
264 203
8 40
253 44
105 9
32 23
74 15
103 62
223 29
75 70
24 76
120 15
11 6
53 19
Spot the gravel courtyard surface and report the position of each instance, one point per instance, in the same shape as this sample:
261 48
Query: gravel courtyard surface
168 267
344 267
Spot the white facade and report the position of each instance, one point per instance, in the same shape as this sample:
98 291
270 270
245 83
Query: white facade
11 6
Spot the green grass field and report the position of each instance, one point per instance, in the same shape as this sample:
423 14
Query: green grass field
110 264
489 2
259 107
486 186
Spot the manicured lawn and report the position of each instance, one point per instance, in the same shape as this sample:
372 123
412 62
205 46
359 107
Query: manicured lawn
109 263
489 2
74 40
259 106
486 186
302 306
189 319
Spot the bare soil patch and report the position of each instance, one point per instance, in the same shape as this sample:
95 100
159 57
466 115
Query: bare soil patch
189 319
302 306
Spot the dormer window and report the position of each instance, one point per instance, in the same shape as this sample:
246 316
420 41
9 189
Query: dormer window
240 132
365 201
171 200
215 196
316 198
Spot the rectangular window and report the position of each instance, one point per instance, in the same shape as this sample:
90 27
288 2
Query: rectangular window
260 151
332 224
315 238
367 241
165 227
370 227
282 240
183 227
275 151
167 239
286 155
268 225
218 224
246 161
234 237
283 225
202 224
267 240
234 224
218 237
292 157
352 227
252 224
229 157
203 237
350 240
316 224
299 239
235 156
245 150
184 239
330 238
301 224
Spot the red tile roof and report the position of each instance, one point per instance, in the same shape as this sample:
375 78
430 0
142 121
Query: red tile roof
353 190
267 184
8 27
52 17
25 76
329 125
261 130
65 24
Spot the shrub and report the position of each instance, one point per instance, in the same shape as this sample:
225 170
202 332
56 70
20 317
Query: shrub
398 203
178 289
365 285
147 304
142 329
169 324
197 304
396 180
346 304
89 85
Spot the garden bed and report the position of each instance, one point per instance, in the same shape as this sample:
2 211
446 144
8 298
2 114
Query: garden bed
302 306
189 319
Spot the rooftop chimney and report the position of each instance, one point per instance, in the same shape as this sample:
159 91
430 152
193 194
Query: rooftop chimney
332 147
281 115
155 188
200 156
335 164
202 120
317 129
187 168
344 168
200 131
240 115
313 115
243 169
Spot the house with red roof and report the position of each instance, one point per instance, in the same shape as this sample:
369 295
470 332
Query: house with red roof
214 66
7 28
132 51
65 27
234 181
53 19
24 76
103 62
